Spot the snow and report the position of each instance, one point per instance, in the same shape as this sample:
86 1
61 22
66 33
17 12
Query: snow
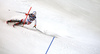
75 23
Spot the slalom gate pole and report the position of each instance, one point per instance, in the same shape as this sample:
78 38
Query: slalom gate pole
49 45
27 15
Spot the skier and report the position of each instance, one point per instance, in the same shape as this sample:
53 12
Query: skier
31 17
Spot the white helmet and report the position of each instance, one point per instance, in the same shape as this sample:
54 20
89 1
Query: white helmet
34 12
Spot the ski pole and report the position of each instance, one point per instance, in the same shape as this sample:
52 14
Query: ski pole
17 11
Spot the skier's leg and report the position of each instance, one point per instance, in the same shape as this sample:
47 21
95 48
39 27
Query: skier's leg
19 23
16 24
13 21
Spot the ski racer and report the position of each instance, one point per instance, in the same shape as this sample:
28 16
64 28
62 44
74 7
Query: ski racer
31 17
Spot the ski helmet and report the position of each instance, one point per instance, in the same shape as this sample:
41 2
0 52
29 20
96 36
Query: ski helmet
34 12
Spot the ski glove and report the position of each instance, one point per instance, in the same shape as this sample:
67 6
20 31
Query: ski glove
35 26
26 14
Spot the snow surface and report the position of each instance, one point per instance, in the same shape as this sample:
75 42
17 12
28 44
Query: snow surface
75 23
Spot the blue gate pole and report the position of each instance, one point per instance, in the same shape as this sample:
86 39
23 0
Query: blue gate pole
49 45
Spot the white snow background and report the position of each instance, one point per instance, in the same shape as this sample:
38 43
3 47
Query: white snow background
75 23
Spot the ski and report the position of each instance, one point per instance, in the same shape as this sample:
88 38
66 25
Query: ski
38 30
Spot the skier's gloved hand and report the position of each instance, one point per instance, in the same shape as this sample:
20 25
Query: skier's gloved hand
26 14
35 26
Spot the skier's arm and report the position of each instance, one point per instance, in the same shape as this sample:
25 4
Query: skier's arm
28 14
